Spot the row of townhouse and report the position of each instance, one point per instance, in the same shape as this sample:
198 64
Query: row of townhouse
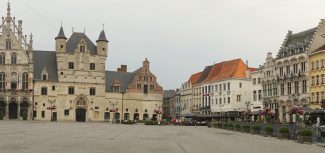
295 76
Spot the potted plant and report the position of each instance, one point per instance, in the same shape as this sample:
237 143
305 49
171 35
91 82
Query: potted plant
268 131
284 133
255 129
237 127
306 135
246 128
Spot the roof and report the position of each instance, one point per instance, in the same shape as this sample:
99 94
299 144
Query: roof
102 36
61 34
168 93
74 40
47 60
194 78
204 74
125 78
301 37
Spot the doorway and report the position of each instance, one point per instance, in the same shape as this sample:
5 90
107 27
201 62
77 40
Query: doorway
81 115
13 110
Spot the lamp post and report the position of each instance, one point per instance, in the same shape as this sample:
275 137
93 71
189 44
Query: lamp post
122 92
52 102
113 110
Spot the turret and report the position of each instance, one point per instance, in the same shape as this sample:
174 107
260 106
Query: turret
61 41
145 65
102 44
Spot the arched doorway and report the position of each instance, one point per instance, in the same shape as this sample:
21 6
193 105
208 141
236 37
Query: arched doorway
13 110
81 115
2 109
81 109
24 110
135 117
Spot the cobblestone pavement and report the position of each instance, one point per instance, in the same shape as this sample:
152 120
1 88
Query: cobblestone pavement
69 137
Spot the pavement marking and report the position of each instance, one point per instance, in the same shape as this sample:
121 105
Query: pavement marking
181 147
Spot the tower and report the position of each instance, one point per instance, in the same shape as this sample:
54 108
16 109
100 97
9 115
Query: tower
61 41
102 44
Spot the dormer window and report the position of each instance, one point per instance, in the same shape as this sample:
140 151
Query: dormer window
8 44
13 58
82 49
44 77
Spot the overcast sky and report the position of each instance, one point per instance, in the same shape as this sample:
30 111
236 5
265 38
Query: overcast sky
179 37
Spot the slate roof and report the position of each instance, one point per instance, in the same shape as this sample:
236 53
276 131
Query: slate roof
61 34
125 79
74 40
301 37
45 59
102 36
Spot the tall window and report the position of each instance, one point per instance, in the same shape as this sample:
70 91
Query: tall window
71 91
282 89
44 91
303 66
288 69
296 87
289 88
92 91
2 58
71 65
295 68
2 81
92 66
82 48
275 89
281 71
304 86
259 94
13 58
254 95
25 81
8 44
238 98
228 86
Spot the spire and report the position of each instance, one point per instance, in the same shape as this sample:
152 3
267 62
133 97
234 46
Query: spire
8 10
102 36
61 34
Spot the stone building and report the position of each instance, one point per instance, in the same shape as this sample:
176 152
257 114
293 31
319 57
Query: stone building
292 63
71 83
256 102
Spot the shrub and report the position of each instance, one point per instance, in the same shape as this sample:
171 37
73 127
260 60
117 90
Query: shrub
150 122
246 127
306 132
256 127
219 125
128 122
237 126
268 129
230 126
284 130
224 125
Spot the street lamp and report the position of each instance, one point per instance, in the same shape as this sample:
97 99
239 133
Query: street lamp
52 102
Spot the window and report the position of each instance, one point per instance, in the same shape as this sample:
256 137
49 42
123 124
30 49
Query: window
304 86
295 68
61 46
275 89
2 58
82 49
53 87
44 77
281 71
116 88
228 100
254 95
66 112
259 94
238 98
43 114
25 81
317 79
312 81
282 89
13 58
220 101
152 87
44 91
322 63
145 89
317 97
71 90
228 86
216 88
259 80
240 85
288 69
92 66
92 91
8 44
296 87
323 79
303 66
289 88
254 81
268 73
71 65
317 64
34 114
138 86
224 86
2 80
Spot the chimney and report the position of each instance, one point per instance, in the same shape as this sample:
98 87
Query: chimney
123 68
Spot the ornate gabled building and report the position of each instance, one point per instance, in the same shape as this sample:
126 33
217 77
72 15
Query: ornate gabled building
70 83
292 64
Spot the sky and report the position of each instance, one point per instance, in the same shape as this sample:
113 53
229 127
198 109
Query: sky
179 37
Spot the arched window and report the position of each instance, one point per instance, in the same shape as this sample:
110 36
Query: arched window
14 80
2 80
13 58
2 58
25 81
8 44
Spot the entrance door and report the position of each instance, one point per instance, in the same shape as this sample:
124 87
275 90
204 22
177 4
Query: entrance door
81 115
54 116
106 116
24 110
13 111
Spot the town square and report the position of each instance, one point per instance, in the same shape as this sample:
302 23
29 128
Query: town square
164 76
